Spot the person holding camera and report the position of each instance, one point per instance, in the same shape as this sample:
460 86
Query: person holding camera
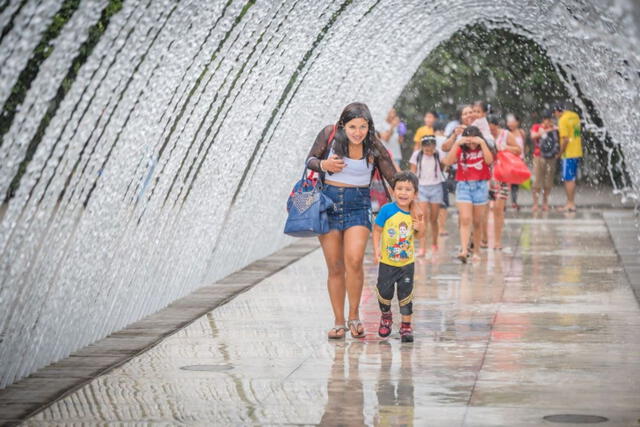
473 157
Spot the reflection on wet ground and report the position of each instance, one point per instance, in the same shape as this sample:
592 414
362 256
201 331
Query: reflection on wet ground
547 326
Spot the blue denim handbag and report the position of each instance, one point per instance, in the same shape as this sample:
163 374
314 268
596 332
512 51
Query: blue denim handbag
307 206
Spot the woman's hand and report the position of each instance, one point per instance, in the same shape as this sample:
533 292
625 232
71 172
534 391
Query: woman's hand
333 164
418 222
459 129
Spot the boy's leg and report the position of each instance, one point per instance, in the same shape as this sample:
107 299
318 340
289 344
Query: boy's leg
405 298
385 289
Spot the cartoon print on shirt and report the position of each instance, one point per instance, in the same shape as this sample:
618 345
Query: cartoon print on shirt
400 250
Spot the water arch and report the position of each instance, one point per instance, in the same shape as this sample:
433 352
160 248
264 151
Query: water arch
148 147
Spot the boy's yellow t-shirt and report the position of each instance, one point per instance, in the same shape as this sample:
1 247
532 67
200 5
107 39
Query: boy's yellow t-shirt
422 132
569 127
397 235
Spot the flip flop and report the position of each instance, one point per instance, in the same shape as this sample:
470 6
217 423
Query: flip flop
336 329
462 258
354 325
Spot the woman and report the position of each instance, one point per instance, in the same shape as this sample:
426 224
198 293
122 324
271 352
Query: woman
513 124
505 141
473 157
346 165
467 117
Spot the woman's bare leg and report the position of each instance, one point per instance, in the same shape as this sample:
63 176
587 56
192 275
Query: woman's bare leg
465 218
479 218
354 244
498 223
332 248
434 213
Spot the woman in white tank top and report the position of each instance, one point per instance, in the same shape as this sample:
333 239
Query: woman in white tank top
346 164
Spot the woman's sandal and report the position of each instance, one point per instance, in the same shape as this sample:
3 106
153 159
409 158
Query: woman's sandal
336 330
484 244
355 325
463 258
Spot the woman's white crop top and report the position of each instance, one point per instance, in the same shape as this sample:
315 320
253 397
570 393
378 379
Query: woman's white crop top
355 172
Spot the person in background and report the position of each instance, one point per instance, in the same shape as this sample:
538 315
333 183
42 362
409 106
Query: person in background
466 118
544 161
454 123
513 124
473 156
570 132
425 164
429 121
449 183
392 133
505 141
480 111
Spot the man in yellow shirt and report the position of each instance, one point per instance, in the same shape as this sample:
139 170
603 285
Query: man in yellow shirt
429 120
570 132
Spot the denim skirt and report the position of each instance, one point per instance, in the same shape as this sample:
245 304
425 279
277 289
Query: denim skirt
352 206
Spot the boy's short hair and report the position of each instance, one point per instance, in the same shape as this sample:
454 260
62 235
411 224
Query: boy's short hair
405 176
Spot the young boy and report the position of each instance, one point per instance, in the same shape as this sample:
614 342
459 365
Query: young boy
396 226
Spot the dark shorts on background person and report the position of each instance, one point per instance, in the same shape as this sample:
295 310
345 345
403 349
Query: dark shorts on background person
448 186
389 277
352 207
475 192
570 168
431 193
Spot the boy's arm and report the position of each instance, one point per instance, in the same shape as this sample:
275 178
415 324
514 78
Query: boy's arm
377 232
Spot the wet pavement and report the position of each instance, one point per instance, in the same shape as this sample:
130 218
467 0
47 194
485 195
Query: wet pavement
547 326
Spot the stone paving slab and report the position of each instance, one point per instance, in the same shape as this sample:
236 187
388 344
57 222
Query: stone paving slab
43 387
547 326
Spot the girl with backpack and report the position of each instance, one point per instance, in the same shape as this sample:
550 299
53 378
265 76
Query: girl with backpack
545 156
346 156
425 163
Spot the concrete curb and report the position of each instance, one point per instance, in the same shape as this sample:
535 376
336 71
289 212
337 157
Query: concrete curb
624 231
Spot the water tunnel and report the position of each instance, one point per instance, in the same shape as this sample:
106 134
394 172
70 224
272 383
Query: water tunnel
147 147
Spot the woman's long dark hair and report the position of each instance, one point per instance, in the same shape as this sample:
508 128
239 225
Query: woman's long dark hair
355 110
470 131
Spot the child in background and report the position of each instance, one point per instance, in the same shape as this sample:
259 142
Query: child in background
395 227
425 163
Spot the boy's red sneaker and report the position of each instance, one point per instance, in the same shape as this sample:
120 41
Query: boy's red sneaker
406 333
385 325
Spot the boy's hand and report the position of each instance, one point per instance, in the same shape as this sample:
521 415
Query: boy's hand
376 256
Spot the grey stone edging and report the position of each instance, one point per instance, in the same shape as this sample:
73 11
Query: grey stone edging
624 231
31 395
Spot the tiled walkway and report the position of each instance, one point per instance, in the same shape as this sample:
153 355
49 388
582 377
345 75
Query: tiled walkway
547 326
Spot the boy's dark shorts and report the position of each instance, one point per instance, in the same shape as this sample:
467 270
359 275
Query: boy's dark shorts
388 277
